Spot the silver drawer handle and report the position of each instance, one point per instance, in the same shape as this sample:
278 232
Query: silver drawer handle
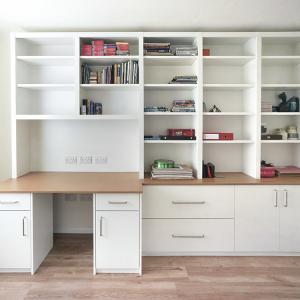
24 225
188 202
116 202
285 198
9 202
100 231
175 236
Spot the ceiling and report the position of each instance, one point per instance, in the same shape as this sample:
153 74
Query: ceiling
151 15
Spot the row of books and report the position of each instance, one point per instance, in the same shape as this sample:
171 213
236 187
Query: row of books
123 73
166 169
185 79
156 109
90 107
100 48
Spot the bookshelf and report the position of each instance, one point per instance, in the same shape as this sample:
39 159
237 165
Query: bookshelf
242 71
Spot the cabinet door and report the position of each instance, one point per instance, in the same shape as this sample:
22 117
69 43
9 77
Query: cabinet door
289 219
117 241
257 218
15 240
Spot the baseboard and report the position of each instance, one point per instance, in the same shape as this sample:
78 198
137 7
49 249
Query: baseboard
75 230
151 253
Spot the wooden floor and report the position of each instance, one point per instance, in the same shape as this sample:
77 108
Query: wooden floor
67 274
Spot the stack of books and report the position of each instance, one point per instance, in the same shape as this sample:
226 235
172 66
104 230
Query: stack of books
288 171
110 49
85 74
122 48
157 49
93 78
176 172
183 106
89 107
186 51
86 50
266 106
156 109
187 79
98 48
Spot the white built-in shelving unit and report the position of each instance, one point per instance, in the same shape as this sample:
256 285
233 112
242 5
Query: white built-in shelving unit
49 134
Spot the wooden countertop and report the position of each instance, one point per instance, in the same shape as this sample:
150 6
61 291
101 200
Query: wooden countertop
84 183
69 182
225 179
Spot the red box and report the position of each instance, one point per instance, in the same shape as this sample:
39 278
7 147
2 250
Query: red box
226 136
267 172
181 132
206 52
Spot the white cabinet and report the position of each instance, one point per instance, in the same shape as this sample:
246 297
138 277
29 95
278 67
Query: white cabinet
256 218
117 233
267 218
15 237
290 219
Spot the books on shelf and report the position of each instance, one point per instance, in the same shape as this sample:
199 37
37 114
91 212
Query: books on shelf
183 106
100 48
185 79
122 73
266 106
157 49
90 107
288 171
174 134
156 109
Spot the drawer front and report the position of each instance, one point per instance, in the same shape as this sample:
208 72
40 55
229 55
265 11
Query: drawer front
13 201
188 202
117 201
163 236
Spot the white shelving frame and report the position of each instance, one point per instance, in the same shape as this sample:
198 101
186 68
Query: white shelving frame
42 102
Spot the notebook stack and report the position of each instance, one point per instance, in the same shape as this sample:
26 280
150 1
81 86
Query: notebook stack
165 169
186 51
93 78
156 109
288 171
266 106
98 48
160 49
86 50
184 80
122 48
183 106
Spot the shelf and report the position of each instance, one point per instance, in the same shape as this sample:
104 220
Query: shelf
281 86
107 60
41 86
227 60
76 117
48 60
228 142
228 86
280 113
227 114
109 86
170 86
281 59
169 60
170 141
280 141
170 113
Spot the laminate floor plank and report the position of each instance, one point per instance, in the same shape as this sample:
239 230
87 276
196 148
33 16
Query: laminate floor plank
66 274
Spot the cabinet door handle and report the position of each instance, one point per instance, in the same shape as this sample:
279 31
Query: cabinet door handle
101 221
276 198
285 199
24 226
117 202
188 202
177 236
9 202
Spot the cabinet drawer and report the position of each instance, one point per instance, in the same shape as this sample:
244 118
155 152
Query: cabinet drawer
11 201
117 201
188 202
167 236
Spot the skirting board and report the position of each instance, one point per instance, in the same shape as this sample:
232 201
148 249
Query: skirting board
221 253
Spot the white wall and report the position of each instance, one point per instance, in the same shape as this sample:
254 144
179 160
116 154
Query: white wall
5 163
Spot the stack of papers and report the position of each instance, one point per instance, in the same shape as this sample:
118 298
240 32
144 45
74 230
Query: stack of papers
179 172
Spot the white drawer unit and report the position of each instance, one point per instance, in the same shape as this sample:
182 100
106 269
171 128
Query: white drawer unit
188 202
15 201
187 236
117 201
